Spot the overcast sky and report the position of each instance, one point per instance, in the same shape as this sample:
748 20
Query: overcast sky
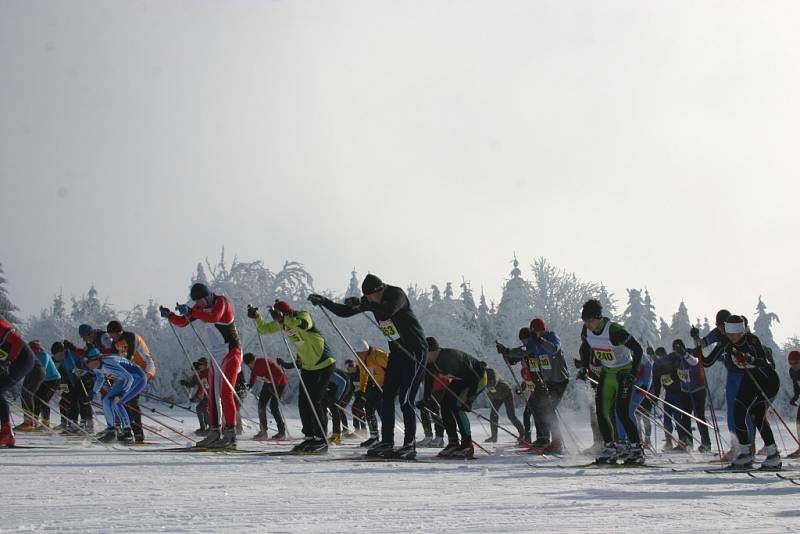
636 143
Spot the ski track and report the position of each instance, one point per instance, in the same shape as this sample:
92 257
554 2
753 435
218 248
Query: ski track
89 488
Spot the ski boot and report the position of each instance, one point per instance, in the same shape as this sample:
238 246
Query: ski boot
300 447
7 436
380 450
44 426
138 437
744 460
335 438
107 435
262 435
634 454
491 439
425 442
126 435
406 452
88 425
369 442
28 425
227 439
704 447
608 455
795 454
281 435
466 451
202 431
317 446
773 460
555 447
212 435
437 442
448 451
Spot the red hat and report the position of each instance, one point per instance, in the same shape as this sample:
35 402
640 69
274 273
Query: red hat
794 357
537 325
283 307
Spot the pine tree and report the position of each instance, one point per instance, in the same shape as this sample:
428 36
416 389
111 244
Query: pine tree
681 324
436 296
354 289
485 322
704 331
639 318
200 275
762 326
466 296
7 308
448 291
665 333
514 310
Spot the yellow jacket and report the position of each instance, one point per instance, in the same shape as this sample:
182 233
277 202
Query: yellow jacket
376 361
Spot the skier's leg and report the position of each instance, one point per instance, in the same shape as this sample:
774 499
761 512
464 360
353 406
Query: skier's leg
408 393
264 397
231 367
508 402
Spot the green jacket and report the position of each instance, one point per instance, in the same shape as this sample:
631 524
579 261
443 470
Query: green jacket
308 342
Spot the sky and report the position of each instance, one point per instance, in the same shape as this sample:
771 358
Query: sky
641 144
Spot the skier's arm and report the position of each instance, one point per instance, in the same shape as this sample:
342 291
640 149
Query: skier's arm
266 327
340 310
795 387
178 320
426 391
302 321
516 355
550 343
393 302
214 315
585 351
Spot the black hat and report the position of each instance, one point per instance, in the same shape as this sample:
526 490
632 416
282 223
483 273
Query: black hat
114 327
202 360
592 309
248 358
524 333
199 291
371 284
56 347
678 342
722 316
433 345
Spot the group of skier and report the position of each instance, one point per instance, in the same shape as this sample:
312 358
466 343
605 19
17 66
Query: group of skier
116 365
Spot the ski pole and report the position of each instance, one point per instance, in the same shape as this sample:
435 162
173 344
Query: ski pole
659 399
311 405
153 410
168 403
163 424
772 406
698 353
274 387
146 427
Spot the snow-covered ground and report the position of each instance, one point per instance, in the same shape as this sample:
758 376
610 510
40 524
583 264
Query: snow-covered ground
83 487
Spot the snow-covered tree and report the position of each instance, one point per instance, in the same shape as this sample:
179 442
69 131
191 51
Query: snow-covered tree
448 291
354 289
88 309
436 296
665 333
466 296
514 310
762 326
681 324
7 308
486 321
639 318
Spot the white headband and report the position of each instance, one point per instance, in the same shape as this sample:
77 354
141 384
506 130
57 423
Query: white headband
734 328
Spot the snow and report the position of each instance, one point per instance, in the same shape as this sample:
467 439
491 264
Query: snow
90 488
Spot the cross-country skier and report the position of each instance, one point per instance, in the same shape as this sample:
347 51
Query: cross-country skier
16 361
794 375
692 380
52 380
316 364
407 349
337 397
665 375
199 381
370 384
643 380
620 355
469 379
30 384
128 382
273 381
430 414
215 312
132 346
759 385
531 379
500 394
359 424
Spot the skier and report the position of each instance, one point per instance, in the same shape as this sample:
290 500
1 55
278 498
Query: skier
337 397
30 384
759 385
468 381
16 361
500 394
620 355
215 312
359 424
430 414
374 360
591 374
128 382
199 381
794 375
530 381
52 380
273 381
64 405
407 349
131 346
92 337
693 385
317 367
665 374
643 380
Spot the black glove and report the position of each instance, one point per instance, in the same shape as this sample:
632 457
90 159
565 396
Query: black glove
163 311
793 402
185 383
352 302
275 314
315 299
694 333
252 312
537 340
519 390
501 349
280 361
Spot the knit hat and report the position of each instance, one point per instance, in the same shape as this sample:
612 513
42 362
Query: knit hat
592 309
199 291
371 284
35 345
722 316
283 307
537 325
433 345
93 354
114 327
85 330
794 357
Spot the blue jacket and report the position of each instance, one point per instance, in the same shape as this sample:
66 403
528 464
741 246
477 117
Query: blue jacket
50 369
68 366
338 382
119 369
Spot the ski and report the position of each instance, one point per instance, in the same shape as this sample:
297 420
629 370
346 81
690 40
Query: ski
293 453
793 480
593 465
12 447
200 449
745 470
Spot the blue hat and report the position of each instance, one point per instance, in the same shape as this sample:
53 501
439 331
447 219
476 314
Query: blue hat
93 354
85 330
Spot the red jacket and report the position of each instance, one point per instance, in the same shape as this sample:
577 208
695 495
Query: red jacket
440 382
262 367
10 341
200 390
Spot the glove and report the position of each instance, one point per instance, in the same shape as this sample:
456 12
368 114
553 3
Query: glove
581 374
519 390
501 349
69 345
537 340
276 315
280 361
183 309
315 299
694 333
625 381
252 312
352 302
80 372
164 311
743 359
793 402
184 383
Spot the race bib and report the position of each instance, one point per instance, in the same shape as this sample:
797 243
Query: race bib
666 380
604 355
532 365
295 337
683 375
3 355
545 363
204 383
389 329
595 369
64 388
530 386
